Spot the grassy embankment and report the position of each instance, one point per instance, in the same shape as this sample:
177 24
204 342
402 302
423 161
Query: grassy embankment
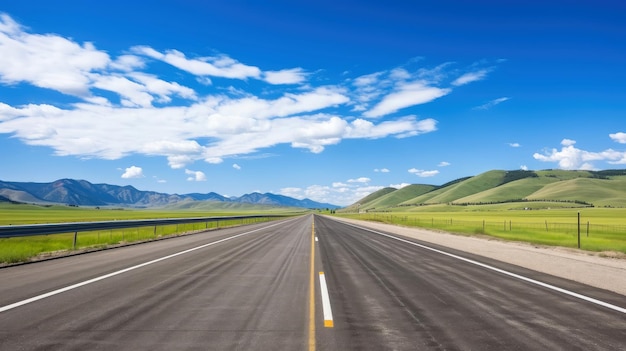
601 229
20 249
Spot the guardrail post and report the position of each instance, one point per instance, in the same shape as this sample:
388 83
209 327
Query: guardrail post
75 237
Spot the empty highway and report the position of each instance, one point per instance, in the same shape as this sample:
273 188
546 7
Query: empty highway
305 283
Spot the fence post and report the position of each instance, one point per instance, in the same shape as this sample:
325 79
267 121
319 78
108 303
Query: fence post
579 230
546 225
587 228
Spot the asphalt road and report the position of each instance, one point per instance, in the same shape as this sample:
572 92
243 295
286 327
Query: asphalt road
259 287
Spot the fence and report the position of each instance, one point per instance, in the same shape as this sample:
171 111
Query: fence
595 236
57 235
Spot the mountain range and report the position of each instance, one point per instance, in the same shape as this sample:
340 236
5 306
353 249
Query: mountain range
605 188
83 193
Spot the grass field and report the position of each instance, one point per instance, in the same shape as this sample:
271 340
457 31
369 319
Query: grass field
11 214
601 229
20 249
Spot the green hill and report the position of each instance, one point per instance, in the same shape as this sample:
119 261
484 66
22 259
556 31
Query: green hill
395 197
599 192
599 188
369 198
515 190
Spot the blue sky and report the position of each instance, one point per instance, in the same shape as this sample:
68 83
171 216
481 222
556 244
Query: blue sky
329 100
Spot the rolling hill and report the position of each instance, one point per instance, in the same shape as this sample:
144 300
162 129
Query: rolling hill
590 188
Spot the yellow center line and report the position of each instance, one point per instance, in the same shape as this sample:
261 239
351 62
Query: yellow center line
312 292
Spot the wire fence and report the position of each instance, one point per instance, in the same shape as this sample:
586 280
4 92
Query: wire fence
586 235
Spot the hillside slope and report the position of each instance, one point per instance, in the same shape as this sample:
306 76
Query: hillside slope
599 188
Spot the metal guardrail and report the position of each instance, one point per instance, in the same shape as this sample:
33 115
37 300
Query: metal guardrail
8 231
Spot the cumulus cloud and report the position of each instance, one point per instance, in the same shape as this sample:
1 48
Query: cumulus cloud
195 176
443 164
236 166
121 109
382 170
515 145
47 61
569 157
133 172
618 137
399 186
359 180
523 167
422 173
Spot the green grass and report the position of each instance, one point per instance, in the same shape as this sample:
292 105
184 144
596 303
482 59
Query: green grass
602 229
12 214
20 249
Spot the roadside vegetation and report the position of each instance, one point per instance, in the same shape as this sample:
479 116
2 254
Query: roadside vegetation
601 229
539 207
22 249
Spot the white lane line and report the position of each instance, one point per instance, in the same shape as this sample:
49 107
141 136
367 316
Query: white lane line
86 282
328 313
316 239
510 274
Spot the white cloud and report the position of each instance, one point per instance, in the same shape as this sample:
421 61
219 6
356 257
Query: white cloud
470 77
133 172
523 167
491 103
382 170
219 66
236 166
568 142
406 95
569 157
359 180
119 109
286 76
296 193
196 176
618 137
47 61
515 145
423 173
399 186
443 164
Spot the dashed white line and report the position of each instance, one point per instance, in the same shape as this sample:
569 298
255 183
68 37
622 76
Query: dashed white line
328 313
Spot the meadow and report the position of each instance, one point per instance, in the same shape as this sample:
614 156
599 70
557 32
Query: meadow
21 249
601 229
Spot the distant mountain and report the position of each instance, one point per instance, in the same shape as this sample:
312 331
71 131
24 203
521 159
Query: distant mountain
84 193
587 188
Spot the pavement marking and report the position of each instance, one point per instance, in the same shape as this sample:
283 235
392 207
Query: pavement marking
328 313
87 282
510 274
312 291
316 239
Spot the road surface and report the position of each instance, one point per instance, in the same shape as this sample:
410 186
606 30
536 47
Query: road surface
300 284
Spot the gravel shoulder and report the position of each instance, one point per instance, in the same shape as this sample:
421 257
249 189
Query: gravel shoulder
601 270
